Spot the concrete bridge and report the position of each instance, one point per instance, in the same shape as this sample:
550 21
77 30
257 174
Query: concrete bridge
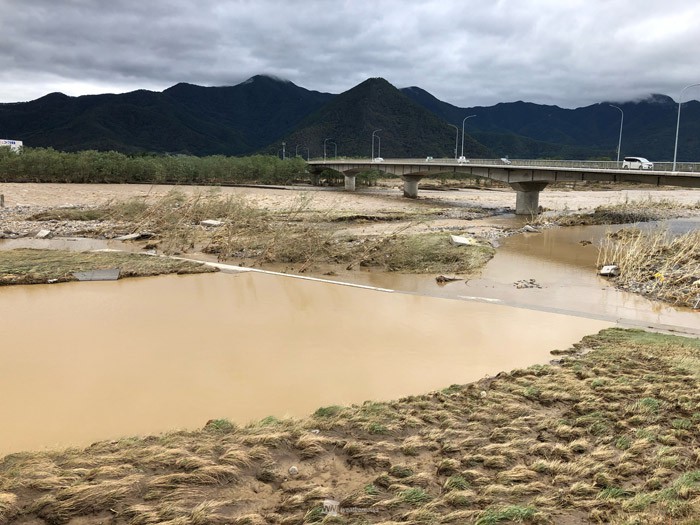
527 178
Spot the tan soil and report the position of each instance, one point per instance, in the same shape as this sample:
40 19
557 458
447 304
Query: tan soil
364 200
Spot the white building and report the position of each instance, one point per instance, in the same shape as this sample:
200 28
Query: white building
15 145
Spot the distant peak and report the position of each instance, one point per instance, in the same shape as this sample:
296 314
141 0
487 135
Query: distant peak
256 78
653 98
656 98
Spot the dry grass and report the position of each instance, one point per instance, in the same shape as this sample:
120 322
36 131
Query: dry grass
616 441
299 234
628 211
29 266
656 264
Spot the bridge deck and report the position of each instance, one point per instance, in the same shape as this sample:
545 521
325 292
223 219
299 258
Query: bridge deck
512 173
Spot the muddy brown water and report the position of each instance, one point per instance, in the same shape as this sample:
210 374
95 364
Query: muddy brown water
101 360
563 263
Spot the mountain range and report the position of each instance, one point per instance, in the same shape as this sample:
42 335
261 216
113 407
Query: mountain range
262 113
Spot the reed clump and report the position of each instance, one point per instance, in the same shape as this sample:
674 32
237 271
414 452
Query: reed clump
231 227
627 211
656 263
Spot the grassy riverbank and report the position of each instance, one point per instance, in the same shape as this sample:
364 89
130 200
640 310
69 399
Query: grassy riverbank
656 264
30 266
609 435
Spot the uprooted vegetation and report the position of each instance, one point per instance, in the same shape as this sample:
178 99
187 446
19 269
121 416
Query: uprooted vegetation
656 264
628 211
607 436
30 266
298 234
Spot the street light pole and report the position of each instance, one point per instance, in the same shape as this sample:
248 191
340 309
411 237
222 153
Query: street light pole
678 122
456 138
379 146
622 119
284 144
324 149
375 131
463 121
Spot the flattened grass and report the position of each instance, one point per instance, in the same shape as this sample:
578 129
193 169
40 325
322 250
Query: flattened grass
612 438
30 266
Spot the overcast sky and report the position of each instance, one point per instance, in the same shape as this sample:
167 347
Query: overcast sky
467 52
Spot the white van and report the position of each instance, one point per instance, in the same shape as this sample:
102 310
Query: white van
637 163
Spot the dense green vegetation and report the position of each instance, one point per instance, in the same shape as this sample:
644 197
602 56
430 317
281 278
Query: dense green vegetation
49 165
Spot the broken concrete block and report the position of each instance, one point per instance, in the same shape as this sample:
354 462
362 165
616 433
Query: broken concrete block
609 270
111 274
44 234
128 237
463 241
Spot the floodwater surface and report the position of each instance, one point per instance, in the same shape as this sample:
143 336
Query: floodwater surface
563 264
101 360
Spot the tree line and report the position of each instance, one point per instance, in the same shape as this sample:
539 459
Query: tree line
111 167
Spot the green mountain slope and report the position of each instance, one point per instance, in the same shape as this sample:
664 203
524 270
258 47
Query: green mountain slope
407 129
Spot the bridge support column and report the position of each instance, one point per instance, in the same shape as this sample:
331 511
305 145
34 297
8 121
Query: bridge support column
349 182
527 198
410 185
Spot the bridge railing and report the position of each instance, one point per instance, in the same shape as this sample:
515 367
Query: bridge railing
590 164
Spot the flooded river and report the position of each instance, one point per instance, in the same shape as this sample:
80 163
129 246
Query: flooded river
98 360
562 262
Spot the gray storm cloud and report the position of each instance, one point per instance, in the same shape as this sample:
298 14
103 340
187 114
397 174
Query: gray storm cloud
464 52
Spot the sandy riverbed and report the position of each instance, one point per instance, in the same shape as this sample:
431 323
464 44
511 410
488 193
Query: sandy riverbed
367 199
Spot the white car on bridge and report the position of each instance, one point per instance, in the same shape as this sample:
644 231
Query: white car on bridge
637 163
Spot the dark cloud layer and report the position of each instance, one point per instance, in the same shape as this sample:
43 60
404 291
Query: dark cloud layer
465 52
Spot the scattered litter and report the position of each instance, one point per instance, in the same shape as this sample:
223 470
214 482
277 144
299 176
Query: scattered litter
527 283
44 234
609 270
51 281
211 223
463 241
315 431
441 279
530 229
111 274
293 471
134 236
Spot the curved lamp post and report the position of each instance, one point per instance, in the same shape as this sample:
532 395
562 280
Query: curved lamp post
463 121
375 131
678 122
324 149
456 138
619 141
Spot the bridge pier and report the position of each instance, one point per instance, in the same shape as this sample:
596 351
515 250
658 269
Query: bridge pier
527 198
410 185
349 182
